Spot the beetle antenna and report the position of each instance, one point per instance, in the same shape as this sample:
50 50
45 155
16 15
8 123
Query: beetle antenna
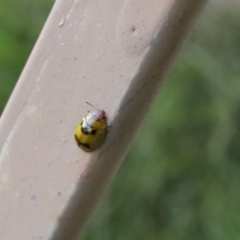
90 105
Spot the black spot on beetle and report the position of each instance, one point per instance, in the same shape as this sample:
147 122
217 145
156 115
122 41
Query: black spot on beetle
80 143
93 132
85 145
85 130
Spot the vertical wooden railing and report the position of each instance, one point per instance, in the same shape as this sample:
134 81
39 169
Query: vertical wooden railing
113 54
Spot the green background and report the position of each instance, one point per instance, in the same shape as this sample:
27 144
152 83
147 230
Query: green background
181 178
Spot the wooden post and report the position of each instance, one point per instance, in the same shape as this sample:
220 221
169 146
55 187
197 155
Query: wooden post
113 54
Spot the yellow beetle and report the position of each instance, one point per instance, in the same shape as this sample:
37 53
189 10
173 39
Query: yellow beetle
90 133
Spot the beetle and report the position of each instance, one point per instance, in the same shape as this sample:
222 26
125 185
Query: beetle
91 132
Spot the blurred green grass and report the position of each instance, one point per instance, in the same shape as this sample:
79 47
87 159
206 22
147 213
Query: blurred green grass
20 24
180 180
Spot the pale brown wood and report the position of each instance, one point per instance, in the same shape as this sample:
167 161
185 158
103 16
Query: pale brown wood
113 54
